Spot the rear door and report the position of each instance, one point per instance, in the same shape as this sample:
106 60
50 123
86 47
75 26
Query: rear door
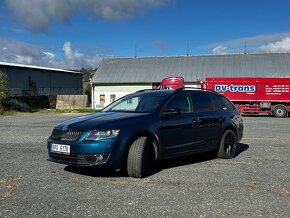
207 120
229 112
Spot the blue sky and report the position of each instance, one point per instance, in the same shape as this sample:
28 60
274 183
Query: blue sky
72 34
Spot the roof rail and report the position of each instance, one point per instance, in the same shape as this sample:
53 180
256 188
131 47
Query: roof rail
195 88
179 89
145 90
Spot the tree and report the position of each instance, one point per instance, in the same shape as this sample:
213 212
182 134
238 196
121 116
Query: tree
87 77
3 88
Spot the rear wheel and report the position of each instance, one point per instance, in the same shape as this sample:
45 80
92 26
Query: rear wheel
280 111
228 144
139 158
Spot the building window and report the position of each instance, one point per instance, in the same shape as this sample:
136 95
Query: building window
112 97
102 99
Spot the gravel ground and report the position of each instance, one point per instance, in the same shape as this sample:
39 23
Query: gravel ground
256 183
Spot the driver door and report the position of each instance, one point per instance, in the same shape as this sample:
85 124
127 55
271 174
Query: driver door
176 126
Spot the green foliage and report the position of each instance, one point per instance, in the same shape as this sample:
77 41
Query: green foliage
88 73
3 89
88 92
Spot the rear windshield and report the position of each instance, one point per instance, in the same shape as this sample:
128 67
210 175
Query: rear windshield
222 103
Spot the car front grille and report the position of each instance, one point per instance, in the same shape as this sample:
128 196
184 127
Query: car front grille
70 136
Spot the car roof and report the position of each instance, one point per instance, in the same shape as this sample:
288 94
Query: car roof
166 92
155 92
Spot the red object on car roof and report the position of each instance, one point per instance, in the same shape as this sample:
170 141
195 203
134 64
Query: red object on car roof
172 83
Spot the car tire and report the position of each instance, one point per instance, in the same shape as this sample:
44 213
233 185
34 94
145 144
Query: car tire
279 111
228 144
138 158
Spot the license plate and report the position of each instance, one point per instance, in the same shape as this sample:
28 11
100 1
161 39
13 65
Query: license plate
58 148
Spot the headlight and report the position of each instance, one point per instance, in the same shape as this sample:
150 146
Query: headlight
95 135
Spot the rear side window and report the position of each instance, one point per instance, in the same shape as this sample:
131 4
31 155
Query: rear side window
202 102
223 103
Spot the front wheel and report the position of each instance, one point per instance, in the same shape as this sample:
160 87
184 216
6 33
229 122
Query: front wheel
279 111
138 158
228 144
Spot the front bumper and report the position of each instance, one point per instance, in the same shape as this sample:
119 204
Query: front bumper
79 159
103 153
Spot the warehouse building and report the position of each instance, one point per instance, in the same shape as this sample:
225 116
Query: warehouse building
117 77
28 80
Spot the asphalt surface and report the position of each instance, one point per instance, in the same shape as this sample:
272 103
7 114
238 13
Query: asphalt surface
256 183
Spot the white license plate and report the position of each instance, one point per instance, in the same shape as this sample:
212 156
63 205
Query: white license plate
58 148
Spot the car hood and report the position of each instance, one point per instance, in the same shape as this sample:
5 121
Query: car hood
96 120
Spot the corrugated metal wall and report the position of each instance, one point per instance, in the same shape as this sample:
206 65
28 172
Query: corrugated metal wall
47 82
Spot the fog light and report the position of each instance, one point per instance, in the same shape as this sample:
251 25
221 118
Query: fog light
99 158
96 158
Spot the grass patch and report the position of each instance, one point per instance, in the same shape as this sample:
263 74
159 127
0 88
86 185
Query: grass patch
10 113
13 113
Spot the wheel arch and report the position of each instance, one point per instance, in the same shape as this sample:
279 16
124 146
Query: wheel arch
229 125
150 136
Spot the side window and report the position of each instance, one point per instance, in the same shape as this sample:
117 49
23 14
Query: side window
129 105
224 103
202 101
181 101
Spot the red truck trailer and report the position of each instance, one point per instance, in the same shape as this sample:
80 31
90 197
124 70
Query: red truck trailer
255 95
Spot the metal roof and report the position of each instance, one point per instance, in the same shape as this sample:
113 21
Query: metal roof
154 69
37 67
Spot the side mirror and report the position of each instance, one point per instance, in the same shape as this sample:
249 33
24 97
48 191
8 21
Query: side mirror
172 111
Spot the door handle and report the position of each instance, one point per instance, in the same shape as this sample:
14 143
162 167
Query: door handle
195 121
221 119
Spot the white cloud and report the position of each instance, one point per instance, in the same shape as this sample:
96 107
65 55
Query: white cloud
220 50
49 54
21 52
38 14
26 53
70 53
276 43
72 58
282 46
23 59
251 41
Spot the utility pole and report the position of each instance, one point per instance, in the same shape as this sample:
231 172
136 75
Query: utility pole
245 52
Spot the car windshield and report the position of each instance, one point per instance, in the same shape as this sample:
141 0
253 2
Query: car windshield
137 103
